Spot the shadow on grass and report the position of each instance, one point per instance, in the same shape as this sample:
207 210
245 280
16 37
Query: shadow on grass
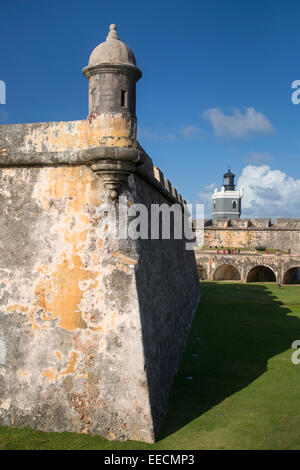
236 330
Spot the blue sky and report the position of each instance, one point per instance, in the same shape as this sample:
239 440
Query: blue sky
215 92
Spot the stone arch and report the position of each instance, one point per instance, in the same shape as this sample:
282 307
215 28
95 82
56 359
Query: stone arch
292 275
202 272
226 272
261 273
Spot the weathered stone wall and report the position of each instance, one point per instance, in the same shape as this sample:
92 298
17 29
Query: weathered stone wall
91 327
69 311
165 267
61 142
283 234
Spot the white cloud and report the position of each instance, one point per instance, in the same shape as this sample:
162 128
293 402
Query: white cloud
189 131
238 124
160 135
205 198
258 157
192 132
269 193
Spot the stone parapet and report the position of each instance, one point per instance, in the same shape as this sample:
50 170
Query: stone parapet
68 143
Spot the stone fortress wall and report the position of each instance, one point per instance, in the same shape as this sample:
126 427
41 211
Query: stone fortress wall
281 234
92 329
92 326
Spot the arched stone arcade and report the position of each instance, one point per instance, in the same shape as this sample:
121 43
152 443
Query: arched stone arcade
226 272
292 275
202 273
250 267
261 273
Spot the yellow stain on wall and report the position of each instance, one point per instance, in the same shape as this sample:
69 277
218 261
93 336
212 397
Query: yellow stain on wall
65 292
111 130
24 373
123 258
58 290
102 130
58 354
23 309
76 185
51 374
55 137
72 363
17 308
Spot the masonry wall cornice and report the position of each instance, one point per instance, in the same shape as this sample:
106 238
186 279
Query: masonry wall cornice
19 144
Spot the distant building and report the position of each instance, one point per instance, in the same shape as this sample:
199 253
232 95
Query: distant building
227 202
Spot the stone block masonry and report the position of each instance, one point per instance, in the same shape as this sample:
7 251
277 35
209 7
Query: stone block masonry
92 327
282 234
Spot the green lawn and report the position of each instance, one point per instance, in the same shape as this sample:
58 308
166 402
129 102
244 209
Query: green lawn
245 391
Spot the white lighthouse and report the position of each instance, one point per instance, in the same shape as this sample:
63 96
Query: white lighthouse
227 202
